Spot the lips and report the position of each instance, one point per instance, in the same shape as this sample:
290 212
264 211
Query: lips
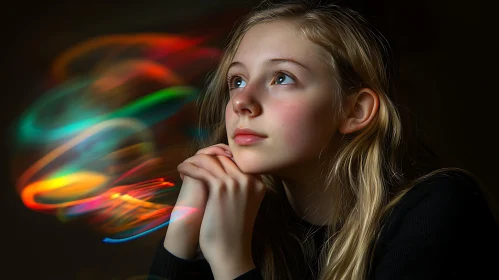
245 139
247 132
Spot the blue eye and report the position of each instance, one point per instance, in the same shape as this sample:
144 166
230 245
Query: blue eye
239 82
282 77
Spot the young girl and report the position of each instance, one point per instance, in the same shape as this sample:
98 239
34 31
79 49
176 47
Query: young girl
302 176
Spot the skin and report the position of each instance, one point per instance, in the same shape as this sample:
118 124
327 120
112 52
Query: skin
294 109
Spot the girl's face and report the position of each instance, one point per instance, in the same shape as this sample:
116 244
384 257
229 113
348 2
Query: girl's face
280 87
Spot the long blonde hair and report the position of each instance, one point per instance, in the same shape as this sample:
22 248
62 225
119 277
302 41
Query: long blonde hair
365 174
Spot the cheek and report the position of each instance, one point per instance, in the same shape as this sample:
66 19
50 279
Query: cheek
296 123
304 128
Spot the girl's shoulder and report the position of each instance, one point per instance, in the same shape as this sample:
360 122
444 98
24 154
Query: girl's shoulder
438 223
451 193
453 188
449 198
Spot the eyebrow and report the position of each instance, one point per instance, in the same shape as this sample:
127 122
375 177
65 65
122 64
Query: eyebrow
273 61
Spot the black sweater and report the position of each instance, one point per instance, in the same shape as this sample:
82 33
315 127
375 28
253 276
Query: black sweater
441 229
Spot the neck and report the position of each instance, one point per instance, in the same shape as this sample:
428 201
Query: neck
309 197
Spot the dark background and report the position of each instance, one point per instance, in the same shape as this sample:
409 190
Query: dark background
447 70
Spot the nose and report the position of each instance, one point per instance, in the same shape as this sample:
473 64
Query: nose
245 103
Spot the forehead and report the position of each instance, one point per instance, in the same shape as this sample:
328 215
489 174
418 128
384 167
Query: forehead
277 39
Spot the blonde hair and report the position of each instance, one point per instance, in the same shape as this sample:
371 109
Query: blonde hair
365 174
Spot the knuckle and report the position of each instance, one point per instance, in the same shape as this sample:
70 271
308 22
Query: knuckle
245 181
230 181
218 183
222 188
200 157
231 184
200 151
203 151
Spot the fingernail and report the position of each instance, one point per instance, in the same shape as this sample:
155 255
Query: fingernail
229 153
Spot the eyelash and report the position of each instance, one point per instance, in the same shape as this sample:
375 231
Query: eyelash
230 78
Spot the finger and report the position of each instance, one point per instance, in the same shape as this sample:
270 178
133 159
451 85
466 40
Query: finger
225 146
234 172
182 175
231 168
210 163
214 151
195 172
218 147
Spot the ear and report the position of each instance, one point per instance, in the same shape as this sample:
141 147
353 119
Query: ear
360 110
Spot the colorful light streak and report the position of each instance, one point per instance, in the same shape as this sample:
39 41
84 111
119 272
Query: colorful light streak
165 98
96 125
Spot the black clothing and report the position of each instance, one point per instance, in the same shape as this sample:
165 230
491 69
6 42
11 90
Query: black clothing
441 229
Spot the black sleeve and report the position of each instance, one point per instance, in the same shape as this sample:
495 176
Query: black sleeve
168 266
444 231
165 265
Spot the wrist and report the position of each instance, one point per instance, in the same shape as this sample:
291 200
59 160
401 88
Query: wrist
180 244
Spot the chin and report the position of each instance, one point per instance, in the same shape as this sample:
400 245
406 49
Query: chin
250 167
254 167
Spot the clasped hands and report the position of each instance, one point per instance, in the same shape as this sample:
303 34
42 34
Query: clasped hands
225 202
